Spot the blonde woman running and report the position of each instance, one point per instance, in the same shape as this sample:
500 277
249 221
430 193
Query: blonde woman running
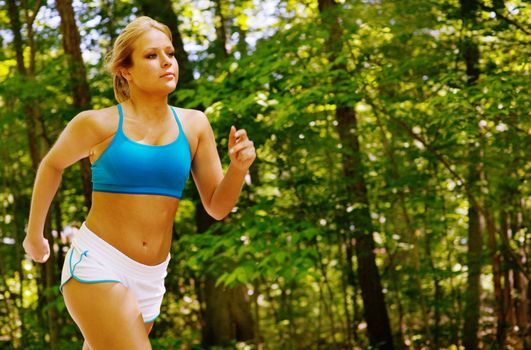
142 151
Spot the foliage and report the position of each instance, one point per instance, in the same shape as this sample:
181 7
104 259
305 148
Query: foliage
288 239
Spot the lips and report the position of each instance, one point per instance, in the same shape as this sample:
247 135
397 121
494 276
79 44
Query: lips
167 75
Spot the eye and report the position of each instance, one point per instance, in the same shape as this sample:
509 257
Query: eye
171 54
151 56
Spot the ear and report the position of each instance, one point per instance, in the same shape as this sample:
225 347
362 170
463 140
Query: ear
124 72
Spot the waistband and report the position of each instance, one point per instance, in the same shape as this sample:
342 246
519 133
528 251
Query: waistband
86 240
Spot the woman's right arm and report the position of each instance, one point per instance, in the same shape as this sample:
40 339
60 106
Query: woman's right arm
74 143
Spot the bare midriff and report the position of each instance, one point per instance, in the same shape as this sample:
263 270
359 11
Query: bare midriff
138 225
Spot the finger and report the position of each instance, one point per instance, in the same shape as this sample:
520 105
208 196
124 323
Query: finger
246 161
249 154
240 146
250 151
35 258
47 251
44 253
243 158
241 135
232 137
246 154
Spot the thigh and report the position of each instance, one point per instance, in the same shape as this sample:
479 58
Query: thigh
149 326
107 314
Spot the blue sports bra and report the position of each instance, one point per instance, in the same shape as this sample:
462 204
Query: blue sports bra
127 166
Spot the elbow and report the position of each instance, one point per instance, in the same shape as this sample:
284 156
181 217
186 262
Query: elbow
218 216
49 170
46 164
46 167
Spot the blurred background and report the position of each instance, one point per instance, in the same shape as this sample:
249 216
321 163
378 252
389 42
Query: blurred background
389 203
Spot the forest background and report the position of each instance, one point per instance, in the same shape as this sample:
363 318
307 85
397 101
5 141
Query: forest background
388 206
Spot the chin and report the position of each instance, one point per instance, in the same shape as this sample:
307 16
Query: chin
166 86
167 90
172 88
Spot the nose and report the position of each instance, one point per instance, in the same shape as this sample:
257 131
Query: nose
166 60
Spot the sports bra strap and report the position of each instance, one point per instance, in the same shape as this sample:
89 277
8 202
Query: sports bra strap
178 121
121 120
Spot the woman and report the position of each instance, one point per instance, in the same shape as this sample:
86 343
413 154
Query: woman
141 151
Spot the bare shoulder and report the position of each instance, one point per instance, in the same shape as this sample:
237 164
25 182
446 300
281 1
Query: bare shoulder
195 125
85 130
99 122
191 116
194 122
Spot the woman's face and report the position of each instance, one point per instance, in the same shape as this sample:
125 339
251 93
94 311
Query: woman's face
154 69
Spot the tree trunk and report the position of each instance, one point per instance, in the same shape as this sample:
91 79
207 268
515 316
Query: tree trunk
218 330
328 307
240 311
227 315
470 52
474 255
108 7
78 79
221 33
472 294
410 234
349 321
521 289
12 8
375 311
455 309
436 282
14 229
162 11
501 327
507 272
39 146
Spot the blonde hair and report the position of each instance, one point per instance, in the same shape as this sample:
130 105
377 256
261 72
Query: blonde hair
120 56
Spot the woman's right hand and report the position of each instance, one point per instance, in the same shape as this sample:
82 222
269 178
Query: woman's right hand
37 247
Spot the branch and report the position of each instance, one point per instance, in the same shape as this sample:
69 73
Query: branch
513 256
420 139
499 15
471 197
36 9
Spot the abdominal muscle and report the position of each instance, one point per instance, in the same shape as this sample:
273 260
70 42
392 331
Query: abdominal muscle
138 225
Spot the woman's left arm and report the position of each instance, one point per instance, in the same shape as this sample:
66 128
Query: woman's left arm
219 193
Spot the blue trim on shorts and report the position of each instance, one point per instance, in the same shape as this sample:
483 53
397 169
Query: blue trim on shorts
72 275
153 319
72 272
72 268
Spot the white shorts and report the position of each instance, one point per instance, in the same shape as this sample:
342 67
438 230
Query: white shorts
90 259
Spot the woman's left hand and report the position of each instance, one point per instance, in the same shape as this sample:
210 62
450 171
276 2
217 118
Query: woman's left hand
241 149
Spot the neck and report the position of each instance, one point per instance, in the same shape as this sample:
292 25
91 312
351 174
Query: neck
148 107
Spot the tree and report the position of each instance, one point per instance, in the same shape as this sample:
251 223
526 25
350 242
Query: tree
78 79
375 311
39 144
